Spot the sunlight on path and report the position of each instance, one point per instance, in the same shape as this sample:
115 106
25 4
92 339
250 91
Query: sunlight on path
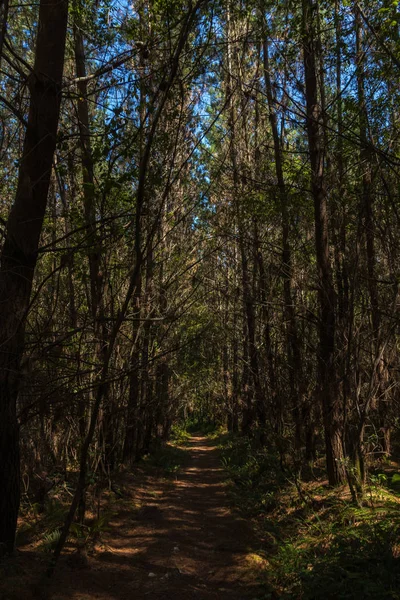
185 543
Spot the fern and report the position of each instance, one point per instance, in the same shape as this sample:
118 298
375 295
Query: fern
50 540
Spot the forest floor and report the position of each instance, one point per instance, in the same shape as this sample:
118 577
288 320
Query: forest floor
317 544
168 538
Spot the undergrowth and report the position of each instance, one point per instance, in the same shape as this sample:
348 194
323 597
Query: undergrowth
168 459
316 543
179 435
200 426
41 522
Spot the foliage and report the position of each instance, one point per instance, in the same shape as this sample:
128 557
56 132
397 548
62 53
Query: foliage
199 424
318 545
179 435
50 540
167 460
88 533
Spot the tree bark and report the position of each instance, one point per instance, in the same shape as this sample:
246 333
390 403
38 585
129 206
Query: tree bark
19 253
249 312
294 355
327 385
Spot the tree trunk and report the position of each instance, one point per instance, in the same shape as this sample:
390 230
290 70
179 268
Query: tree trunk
327 385
131 433
19 253
294 356
250 316
93 241
132 420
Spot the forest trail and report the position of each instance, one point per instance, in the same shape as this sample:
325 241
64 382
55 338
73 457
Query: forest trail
184 542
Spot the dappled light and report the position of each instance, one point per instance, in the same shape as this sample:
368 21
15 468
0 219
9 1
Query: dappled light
183 542
199 299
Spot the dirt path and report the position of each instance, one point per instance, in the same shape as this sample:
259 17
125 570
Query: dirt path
184 543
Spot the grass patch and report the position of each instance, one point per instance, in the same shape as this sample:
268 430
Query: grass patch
318 545
179 435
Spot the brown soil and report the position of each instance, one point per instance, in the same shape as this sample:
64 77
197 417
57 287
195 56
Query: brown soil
184 542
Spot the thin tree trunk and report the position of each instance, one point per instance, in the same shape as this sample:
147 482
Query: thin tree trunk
294 356
250 316
87 174
131 432
93 241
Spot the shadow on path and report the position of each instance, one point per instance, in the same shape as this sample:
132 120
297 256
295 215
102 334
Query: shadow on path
184 542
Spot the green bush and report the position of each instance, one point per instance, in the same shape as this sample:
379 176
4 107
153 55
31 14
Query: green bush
179 435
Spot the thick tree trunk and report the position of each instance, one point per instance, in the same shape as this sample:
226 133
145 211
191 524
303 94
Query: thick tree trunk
19 253
327 386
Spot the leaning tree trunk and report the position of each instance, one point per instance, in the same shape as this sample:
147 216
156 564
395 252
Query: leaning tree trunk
327 386
19 253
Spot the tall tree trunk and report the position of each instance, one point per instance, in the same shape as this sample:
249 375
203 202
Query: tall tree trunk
327 386
248 303
294 356
235 366
93 241
19 253
102 383
131 432
275 398
366 173
87 162
250 316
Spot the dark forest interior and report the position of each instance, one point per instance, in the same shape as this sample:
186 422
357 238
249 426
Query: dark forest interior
199 299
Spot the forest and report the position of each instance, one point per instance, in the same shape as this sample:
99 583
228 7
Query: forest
199 292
